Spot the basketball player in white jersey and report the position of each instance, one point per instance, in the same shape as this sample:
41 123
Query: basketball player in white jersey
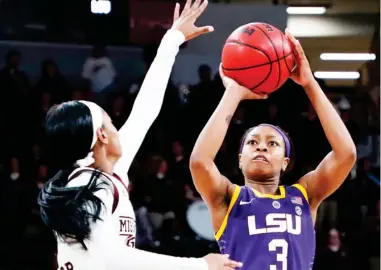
86 203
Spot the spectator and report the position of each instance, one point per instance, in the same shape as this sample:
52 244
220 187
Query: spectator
13 81
118 112
160 205
52 82
100 72
372 238
334 255
15 87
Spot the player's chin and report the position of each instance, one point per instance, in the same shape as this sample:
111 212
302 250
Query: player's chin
115 151
260 169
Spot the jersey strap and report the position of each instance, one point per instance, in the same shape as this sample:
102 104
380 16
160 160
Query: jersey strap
117 177
302 190
233 200
115 189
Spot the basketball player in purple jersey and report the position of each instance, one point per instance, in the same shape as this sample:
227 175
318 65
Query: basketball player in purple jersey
262 224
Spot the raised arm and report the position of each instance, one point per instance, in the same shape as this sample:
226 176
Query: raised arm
335 167
150 98
214 187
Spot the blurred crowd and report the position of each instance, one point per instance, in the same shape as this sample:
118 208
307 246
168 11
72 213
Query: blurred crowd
161 189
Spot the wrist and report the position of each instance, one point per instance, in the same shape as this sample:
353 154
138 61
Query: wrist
202 264
310 84
176 36
234 93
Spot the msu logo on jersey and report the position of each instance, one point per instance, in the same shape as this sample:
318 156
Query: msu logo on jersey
127 228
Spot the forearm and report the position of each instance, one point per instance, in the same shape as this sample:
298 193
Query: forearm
119 257
334 128
213 134
150 98
134 259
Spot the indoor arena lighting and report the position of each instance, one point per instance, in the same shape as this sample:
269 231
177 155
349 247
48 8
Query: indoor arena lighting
337 75
100 6
348 56
306 10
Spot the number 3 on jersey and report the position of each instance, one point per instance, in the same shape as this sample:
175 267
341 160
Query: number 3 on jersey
280 256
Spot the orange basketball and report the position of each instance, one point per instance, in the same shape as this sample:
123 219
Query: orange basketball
259 57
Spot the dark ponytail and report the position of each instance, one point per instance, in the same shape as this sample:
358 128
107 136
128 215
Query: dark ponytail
68 211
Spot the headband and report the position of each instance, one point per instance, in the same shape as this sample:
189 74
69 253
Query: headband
287 142
97 120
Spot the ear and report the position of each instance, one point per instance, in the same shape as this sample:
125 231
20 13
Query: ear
240 161
285 163
102 135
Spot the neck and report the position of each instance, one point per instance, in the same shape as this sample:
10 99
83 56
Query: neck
103 163
267 186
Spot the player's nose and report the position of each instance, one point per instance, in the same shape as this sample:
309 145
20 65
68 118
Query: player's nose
261 147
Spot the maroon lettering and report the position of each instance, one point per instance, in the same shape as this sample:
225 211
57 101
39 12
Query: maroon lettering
130 241
67 266
127 225
122 225
127 228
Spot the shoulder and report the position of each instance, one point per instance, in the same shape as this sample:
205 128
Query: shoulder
301 189
105 60
235 192
82 177
102 185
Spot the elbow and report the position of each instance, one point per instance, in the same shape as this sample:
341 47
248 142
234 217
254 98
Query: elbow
195 161
350 154
346 151
198 162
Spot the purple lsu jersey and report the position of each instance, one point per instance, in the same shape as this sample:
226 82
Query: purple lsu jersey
269 232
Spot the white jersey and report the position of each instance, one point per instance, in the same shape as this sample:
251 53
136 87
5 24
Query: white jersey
117 224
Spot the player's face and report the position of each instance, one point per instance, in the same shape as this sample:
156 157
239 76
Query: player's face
114 149
263 153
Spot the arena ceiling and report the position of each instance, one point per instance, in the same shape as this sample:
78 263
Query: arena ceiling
347 26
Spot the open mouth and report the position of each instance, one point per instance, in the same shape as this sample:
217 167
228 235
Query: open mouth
260 158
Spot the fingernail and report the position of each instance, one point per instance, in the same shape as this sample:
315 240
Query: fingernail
240 264
226 255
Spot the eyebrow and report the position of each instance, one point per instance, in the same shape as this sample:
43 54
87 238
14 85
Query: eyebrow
267 136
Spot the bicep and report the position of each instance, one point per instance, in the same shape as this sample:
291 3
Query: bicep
210 183
326 178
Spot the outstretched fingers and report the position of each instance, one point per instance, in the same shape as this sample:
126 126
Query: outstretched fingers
186 7
199 9
176 13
